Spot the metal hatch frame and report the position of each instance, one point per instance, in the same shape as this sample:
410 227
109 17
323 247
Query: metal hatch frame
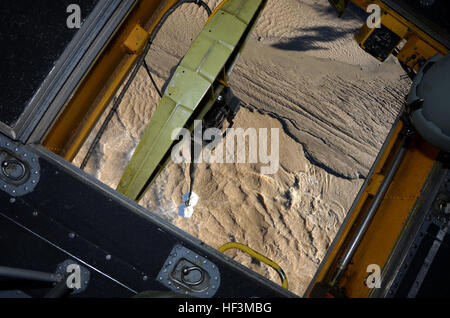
76 59
72 215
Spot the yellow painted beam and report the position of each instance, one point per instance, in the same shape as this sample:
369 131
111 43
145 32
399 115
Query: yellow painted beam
390 218
101 83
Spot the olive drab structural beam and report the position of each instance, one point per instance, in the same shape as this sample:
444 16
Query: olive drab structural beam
193 89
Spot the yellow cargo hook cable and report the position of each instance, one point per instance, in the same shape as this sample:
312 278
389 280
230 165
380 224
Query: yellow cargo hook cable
259 257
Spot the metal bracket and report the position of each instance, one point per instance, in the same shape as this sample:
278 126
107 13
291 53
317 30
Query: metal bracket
19 168
188 273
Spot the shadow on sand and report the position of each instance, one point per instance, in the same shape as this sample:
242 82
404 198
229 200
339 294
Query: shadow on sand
313 38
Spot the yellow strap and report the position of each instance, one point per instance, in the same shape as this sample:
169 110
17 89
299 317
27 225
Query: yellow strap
259 257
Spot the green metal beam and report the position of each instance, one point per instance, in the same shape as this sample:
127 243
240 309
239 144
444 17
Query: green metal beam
192 91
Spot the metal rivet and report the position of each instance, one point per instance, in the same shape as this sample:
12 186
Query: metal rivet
108 257
12 200
35 213
72 235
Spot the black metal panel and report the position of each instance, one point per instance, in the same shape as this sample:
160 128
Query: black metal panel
73 216
33 36
417 262
437 281
430 16
21 249
434 11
